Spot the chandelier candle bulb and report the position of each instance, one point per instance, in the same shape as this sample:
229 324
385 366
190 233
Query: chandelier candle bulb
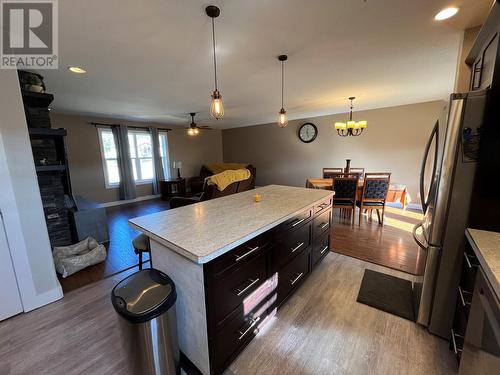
340 125
350 124
362 124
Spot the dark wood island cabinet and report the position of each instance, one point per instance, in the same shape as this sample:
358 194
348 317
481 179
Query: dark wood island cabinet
247 284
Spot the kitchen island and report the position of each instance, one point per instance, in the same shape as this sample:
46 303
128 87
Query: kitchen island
235 261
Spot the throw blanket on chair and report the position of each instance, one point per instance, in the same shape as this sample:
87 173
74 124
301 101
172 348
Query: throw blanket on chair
221 167
224 179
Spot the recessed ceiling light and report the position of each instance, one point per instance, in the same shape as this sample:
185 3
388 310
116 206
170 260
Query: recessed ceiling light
446 13
77 70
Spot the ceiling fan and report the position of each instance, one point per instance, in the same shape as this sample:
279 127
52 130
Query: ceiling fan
194 129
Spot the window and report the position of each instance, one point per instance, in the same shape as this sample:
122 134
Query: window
141 156
109 158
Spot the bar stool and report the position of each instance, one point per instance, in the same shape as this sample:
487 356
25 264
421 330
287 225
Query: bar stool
141 245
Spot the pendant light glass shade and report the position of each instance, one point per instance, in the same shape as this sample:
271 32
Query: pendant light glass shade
282 118
217 107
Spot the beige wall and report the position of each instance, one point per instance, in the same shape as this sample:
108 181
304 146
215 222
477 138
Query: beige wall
462 78
84 155
394 141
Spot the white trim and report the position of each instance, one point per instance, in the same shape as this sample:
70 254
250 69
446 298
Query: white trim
138 199
107 184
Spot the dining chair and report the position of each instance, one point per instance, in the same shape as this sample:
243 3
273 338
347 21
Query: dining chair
329 172
374 195
345 187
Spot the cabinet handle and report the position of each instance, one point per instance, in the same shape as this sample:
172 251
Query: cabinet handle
297 247
245 332
324 249
297 222
467 260
455 349
323 225
461 294
323 206
293 281
252 283
251 250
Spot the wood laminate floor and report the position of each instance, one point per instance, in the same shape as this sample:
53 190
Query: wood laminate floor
320 330
121 255
391 245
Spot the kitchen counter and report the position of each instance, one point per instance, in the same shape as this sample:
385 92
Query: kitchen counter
203 231
486 246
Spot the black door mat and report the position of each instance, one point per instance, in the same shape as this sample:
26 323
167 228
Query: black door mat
387 293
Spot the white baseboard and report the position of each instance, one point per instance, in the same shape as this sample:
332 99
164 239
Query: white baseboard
138 199
414 206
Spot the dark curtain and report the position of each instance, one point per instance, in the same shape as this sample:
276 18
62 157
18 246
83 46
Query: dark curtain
127 183
157 162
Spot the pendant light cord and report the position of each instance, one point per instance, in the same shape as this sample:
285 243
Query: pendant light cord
282 81
215 61
350 115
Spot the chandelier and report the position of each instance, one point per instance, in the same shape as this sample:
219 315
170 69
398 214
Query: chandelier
351 128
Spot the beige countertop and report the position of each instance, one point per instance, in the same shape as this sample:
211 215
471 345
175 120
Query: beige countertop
206 230
486 245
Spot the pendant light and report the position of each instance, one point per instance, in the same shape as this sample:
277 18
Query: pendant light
351 128
216 107
282 117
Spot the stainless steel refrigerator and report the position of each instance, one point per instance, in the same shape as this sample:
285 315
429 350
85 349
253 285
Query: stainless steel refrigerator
446 184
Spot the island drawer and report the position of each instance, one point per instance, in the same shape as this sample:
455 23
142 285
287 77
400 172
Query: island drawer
296 221
320 248
322 222
239 255
292 275
320 207
240 329
230 290
292 245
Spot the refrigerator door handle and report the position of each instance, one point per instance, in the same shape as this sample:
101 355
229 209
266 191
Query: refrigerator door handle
434 134
415 236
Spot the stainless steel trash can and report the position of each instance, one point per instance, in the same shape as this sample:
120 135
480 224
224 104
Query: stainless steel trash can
145 302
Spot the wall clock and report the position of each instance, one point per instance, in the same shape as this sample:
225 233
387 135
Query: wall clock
308 132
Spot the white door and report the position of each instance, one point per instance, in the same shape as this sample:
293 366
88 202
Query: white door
10 301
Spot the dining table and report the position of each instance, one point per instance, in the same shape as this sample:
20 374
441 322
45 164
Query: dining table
397 192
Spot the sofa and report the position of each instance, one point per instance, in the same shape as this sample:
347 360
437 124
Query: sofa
197 183
210 191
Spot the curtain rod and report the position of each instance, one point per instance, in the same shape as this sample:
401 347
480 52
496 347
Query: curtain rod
96 124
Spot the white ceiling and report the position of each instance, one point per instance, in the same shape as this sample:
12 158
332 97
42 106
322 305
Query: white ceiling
150 60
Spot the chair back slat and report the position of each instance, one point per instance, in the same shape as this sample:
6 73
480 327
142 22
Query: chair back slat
361 171
329 172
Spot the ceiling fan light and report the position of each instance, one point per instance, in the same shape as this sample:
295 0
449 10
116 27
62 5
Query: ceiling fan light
196 131
190 131
217 107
